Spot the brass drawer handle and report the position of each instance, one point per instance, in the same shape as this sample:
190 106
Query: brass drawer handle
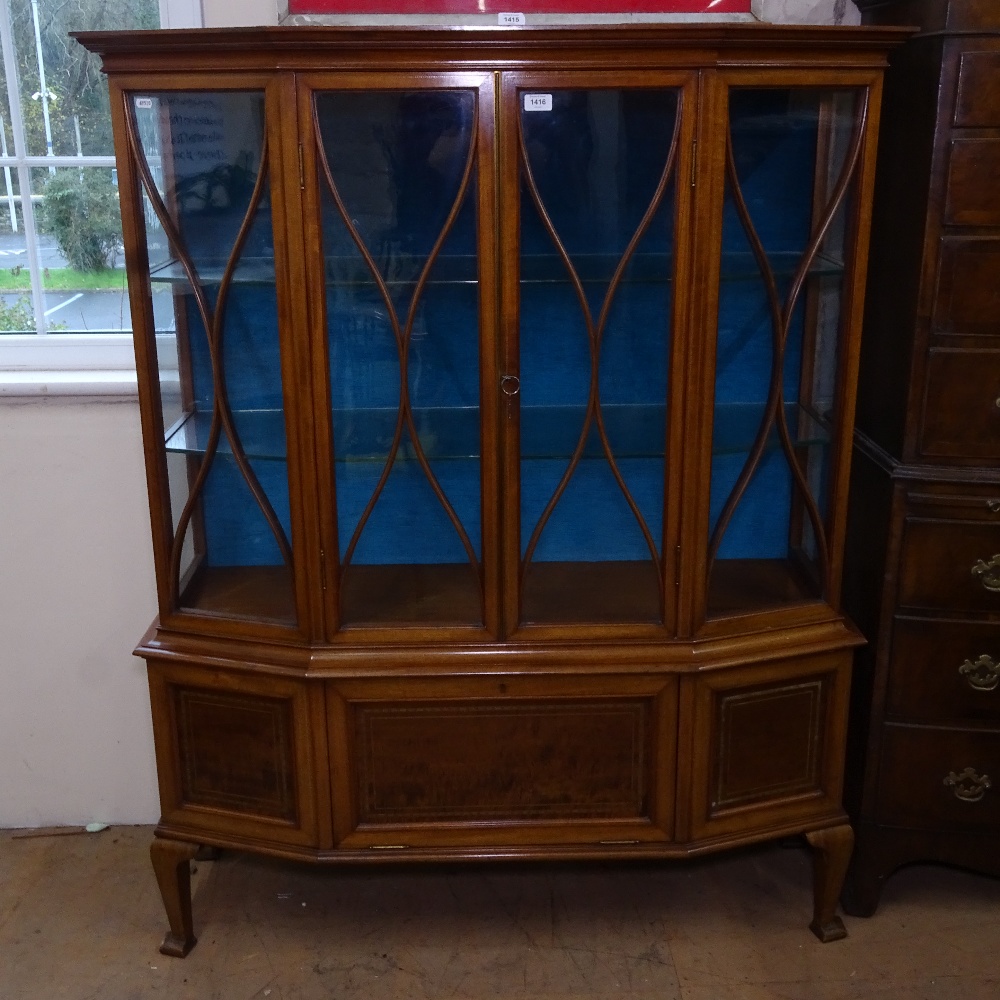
988 573
510 385
983 675
968 786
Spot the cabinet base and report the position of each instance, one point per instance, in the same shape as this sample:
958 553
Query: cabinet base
831 849
881 850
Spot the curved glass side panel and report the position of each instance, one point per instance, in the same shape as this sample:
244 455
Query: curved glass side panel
792 160
397 177
596 266
202 160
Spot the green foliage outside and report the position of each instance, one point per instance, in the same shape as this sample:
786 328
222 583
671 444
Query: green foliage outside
64 279
81 211
17 316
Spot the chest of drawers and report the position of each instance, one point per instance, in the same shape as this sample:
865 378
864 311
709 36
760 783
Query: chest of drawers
923 570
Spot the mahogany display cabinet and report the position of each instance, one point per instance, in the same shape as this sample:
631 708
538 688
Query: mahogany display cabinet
924 546
497 392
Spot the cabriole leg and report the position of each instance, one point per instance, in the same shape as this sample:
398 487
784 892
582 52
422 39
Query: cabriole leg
171 862
831 855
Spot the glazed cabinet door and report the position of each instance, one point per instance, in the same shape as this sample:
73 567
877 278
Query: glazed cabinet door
596 187
399 203
200 165
793 168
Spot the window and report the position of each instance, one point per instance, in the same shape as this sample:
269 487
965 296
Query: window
63 291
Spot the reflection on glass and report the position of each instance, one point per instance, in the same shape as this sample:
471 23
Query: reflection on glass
597 219
399 241
789 195
206 206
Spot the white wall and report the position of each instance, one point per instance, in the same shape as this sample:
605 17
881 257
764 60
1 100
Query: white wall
76 585
76 594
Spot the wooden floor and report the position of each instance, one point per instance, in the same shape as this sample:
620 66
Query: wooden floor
80 919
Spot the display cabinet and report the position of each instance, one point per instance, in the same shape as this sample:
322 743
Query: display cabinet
497 390
922 559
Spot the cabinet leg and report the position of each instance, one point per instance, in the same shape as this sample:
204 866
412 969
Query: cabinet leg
831 856
171 863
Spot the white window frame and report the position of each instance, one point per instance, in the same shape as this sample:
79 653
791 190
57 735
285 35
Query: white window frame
77 363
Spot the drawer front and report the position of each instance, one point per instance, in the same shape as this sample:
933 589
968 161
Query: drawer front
971 15
939 778
968 295
961 407
944 672
503 763
978 104
774 741
973 194
946 565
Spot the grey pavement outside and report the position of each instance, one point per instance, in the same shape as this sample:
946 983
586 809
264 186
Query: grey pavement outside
90 312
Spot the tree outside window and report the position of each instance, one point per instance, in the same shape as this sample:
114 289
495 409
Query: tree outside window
60 246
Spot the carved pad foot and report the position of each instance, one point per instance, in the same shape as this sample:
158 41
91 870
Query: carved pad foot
171 863
831 855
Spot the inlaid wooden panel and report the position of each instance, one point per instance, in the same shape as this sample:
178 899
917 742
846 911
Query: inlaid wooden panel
973 196
945 671
773 735
938 562
961 418
240 752
236 752
769 743
978 104
467 761
923 781
968 294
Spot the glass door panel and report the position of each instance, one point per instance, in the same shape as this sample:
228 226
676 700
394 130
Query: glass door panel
203 163
597 207
791 171
399 227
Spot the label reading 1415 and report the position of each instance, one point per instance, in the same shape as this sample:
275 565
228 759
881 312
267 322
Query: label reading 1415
537 102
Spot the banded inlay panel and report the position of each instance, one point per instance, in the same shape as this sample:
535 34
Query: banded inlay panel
769 743
236 752
473 761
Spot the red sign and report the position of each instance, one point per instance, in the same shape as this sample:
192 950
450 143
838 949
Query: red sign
464 7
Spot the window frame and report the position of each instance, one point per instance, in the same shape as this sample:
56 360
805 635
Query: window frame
42 363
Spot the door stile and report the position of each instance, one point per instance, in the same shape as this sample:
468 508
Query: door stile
852 318
490 362
307 183
284 140
684 303
509 247
141 303
709 172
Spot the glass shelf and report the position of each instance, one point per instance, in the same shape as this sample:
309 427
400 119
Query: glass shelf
261 433
249 271
539 269
452 432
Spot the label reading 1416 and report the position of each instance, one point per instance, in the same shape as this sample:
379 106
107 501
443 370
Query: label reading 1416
537 102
